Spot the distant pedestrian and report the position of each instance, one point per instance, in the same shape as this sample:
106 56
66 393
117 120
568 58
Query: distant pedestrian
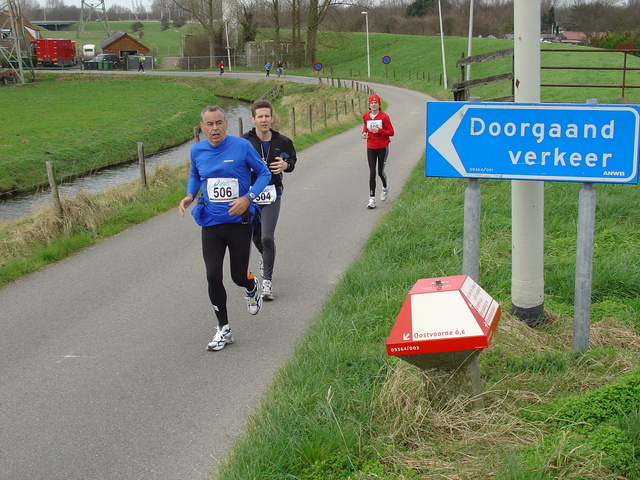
267 67
141 64
221 67
279 67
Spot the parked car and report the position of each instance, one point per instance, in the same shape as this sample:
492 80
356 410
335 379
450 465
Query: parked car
102 59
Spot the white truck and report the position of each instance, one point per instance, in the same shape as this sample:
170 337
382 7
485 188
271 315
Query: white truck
88 51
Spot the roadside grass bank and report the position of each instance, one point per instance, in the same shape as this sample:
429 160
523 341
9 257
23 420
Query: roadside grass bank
37 240
85 122
341 409
416 64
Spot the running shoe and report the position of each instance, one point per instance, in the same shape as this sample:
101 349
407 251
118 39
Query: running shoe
267 290
372 203
220 339
254 299
385 194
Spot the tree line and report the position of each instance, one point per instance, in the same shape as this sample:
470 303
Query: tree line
300 23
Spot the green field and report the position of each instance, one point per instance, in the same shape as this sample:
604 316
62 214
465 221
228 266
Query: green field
417 63
87 121
99 122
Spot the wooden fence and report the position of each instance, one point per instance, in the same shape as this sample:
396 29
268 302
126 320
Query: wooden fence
461 88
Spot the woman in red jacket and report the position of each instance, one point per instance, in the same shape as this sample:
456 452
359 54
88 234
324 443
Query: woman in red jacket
377 130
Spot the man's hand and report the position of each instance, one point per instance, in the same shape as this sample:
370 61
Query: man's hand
184 203
239 205
278 166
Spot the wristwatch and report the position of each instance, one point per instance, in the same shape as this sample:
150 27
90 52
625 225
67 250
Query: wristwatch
252 196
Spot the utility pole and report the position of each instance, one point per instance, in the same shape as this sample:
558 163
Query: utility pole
470 39
226 31
366 18
87 8
527 197
15 48
444 63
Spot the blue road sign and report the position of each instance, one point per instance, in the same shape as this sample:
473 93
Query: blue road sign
555 142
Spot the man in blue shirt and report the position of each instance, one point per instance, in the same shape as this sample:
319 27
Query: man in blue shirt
221 168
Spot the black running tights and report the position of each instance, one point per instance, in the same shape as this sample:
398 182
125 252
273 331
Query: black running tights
215 241
379 156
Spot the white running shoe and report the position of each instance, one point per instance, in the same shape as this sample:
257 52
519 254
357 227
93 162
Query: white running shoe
254 299
385 194
267 290
372 203
220 339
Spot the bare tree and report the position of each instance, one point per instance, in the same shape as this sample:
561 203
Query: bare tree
317 12
29 8
208 13
296 27
275 11
593 18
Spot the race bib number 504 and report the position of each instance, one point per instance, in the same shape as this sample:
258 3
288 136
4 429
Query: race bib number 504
222 189
267 196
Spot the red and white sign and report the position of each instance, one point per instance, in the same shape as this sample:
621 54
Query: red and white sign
445 314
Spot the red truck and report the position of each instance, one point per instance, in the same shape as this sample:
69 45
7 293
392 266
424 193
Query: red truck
55 52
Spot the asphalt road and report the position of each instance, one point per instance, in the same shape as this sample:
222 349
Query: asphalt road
103 367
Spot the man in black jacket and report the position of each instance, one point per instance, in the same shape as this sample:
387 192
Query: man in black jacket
278 152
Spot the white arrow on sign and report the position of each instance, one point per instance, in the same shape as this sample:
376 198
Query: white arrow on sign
442 140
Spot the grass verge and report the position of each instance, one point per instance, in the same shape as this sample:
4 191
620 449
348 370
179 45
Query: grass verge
341 409
29 244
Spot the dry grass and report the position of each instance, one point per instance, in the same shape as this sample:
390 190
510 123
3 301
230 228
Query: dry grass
85 212
574 461
419 433
20 237
320 105
436 440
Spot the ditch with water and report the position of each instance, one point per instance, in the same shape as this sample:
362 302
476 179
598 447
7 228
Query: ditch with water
22 205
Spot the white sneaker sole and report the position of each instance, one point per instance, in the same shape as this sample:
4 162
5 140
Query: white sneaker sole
217 347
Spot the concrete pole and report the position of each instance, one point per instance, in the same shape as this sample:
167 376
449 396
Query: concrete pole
527 197
226 30
366 19
470 40
444 63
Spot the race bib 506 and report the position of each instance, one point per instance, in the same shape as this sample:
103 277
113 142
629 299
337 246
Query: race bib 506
222 189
